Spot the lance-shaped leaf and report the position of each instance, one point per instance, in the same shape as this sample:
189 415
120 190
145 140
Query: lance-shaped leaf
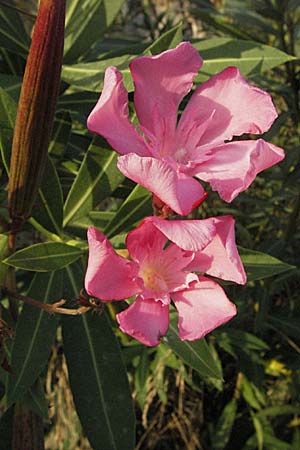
36 109
44 257
261 265
97 178
35 334
98 378
86 23
13 36
195 354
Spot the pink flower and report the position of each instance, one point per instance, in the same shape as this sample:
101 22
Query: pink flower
166 157
164 255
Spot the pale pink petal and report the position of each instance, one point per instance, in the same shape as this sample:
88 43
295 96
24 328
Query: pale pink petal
108 275
179 191
161 82
233 166
201 309
109 118
192 235
238 107
220 257
145 320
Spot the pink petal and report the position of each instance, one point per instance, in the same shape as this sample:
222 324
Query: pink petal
233 166
161 82
161 268
179 191
109 118
201 309
145 320
238 107
192 235
143 240
220 257
108 276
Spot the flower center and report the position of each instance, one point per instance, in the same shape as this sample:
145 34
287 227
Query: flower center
153 280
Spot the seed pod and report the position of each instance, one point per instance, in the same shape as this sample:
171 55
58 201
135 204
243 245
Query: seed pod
36 110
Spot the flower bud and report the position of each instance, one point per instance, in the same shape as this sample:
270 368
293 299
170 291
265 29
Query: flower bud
36 110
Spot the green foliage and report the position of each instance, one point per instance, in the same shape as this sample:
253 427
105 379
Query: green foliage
97 377
240 387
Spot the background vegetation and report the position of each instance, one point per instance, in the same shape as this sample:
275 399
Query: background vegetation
239 389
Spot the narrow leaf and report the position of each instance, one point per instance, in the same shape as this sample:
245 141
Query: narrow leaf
194 353
13 36
98 177
98 377
49 208
35 334
86 23
260 265
44 257
250 57
135 208
221 434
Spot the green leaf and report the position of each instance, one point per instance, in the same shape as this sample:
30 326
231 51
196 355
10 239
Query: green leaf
8 110
13 36
44 257
260 265
98 378
135 207
221 434
241 339
86 23
11 84
34 337
166 41
49 209
250 57
60 135
97 178
89 76
195 354
81 102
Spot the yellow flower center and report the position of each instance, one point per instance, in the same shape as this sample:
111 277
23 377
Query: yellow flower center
153 280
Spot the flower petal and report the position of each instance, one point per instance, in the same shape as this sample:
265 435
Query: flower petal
192 235
220 257
238 107
145 239
145 320
109 118
233 166
108 276
179 191
201 309
161 82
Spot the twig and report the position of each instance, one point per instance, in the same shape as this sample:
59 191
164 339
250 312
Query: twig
49 308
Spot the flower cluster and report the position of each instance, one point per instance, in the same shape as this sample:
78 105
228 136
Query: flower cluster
168 157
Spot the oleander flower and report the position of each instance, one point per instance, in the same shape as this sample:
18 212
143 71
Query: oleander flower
166 155
164 258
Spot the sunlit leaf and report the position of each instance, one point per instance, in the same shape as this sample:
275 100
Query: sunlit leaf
86 23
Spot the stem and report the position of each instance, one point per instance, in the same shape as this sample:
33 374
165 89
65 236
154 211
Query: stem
49 308
44 231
